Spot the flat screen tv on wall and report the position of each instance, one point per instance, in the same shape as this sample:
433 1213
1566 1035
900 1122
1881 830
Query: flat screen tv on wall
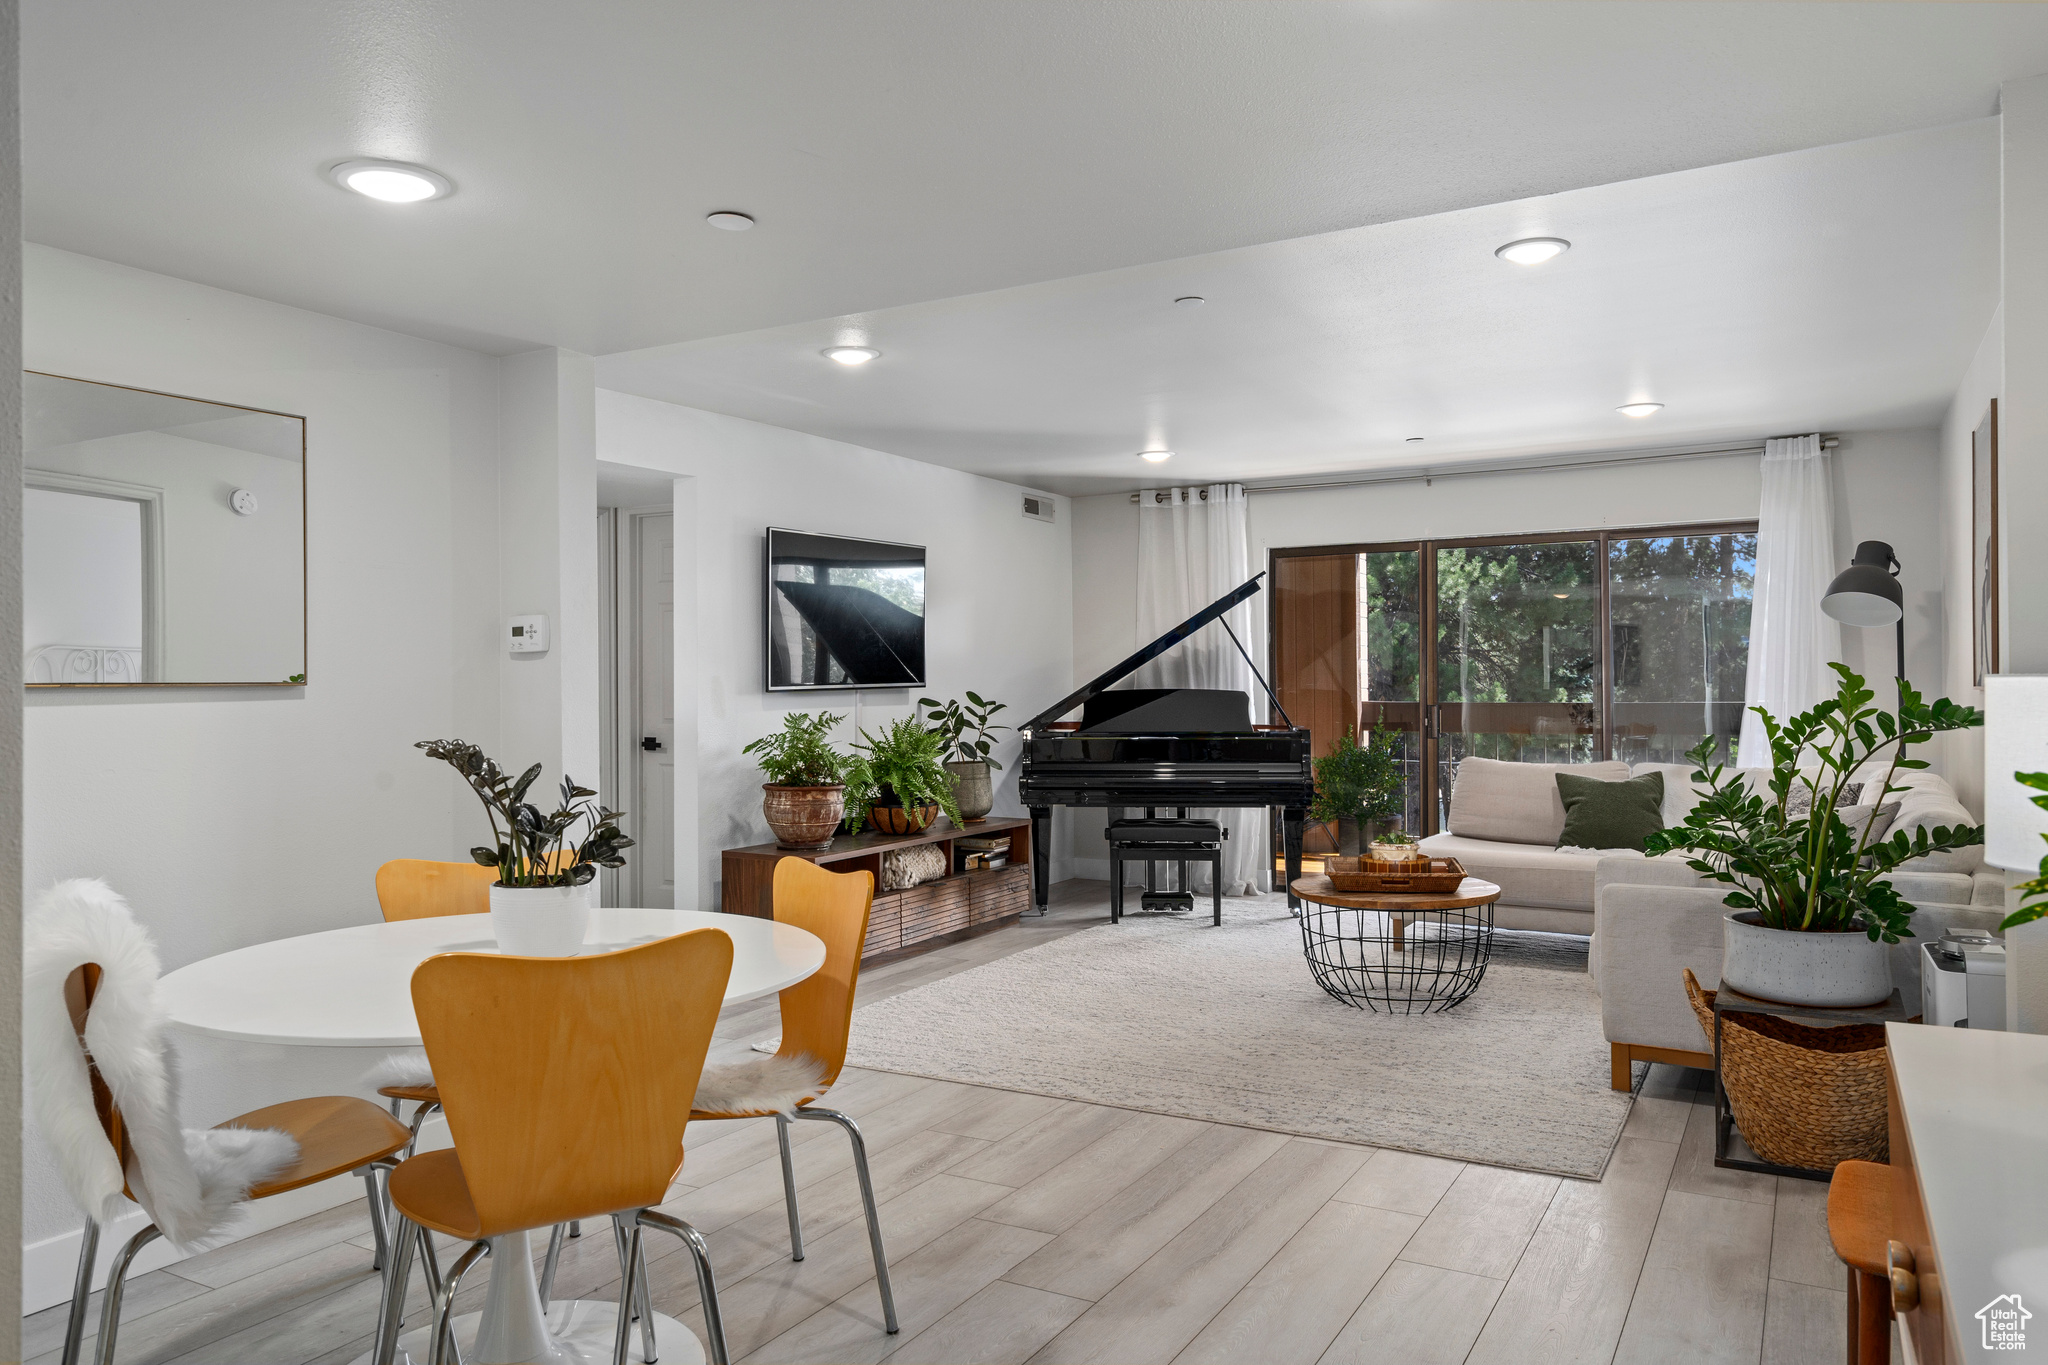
843 612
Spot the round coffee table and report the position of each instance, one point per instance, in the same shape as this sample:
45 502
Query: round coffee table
1361 949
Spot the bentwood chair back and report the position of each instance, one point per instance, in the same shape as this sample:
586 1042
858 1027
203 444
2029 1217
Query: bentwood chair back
567 1085
418 888
817 1012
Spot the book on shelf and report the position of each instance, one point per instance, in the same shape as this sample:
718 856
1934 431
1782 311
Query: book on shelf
984 843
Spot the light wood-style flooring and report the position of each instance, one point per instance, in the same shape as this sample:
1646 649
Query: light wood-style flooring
1022 1228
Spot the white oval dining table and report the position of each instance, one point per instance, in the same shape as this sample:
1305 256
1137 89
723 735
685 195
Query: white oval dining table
353 988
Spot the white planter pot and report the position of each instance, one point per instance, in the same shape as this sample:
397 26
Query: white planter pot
1796 968
540 921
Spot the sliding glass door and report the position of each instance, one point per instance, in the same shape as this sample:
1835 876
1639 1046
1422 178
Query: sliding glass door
1539 649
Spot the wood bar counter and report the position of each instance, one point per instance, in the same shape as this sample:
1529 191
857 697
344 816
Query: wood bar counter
924 916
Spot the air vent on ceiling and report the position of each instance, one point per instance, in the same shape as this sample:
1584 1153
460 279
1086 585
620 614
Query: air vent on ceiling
1037 507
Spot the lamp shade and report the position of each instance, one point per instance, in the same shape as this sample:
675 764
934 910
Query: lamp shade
1865 593
2015 741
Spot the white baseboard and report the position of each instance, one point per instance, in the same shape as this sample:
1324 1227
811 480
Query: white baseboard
47 1266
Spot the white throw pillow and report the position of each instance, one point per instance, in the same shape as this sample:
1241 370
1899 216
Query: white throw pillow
1517 803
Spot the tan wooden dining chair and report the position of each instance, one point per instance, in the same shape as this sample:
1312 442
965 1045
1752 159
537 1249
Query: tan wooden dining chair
335 1134
817 1017
567 1084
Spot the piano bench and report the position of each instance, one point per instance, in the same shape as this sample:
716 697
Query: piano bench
1164 841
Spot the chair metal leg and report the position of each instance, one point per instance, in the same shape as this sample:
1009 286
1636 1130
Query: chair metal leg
391 1313
547 1267
420 1116
444 1302
81 1292
381 1256
629 1255
430 1262
634 1300
643 1296
867 1199
117 1280
796 1227
707 1283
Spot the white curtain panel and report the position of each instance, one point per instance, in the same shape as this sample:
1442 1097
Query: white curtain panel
1791 640
1192 549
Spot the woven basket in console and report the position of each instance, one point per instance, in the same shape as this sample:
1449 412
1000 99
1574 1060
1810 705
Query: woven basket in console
1802 1096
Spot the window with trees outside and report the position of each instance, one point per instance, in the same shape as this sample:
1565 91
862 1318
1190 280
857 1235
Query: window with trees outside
1542 649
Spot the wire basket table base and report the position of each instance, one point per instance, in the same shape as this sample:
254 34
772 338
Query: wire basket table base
1396 954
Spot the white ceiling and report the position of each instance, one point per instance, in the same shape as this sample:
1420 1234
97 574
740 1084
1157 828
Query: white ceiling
1845 287
896 151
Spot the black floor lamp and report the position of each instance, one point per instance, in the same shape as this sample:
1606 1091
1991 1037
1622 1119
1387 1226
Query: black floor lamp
1867 593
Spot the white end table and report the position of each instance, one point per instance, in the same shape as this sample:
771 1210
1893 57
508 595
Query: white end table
353 988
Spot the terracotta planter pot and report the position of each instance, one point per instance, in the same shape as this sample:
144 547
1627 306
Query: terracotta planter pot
890 816
803 817
973 790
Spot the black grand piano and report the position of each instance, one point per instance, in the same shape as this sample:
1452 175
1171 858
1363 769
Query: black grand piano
1176 747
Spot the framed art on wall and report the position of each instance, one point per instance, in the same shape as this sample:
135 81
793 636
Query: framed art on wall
1984 652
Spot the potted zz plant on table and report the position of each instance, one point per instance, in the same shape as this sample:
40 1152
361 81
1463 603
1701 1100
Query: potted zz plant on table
806 788
1812 913
1360 787
965 726
540 904
896 782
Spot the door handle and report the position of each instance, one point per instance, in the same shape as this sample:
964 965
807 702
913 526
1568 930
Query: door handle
650 744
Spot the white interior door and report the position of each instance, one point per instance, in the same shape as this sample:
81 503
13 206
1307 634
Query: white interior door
652 818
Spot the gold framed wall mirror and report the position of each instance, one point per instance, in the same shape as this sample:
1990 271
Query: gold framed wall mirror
163 539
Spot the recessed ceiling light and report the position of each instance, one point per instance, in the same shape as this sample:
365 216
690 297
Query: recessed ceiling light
1414 440
1189 301
1155 456
730 221
850 355
393 182
1533 250
1638 409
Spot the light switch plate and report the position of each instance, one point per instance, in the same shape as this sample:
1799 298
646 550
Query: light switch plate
526 634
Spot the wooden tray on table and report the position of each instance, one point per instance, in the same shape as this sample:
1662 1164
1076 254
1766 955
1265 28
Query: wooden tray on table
1406 877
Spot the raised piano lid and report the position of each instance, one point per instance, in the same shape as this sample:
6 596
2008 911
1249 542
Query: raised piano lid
1167 710
1110 677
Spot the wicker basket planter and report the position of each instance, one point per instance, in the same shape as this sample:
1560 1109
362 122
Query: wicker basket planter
901 819
1802 1096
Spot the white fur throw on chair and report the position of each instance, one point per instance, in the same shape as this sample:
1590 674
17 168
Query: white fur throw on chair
758 1085
189 1182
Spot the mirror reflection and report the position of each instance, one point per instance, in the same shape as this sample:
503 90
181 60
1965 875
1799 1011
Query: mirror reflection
163 539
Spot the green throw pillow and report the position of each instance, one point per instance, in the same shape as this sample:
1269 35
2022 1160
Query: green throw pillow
1610 814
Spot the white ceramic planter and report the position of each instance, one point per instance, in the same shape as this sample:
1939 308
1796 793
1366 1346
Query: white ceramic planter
1795 968
540 921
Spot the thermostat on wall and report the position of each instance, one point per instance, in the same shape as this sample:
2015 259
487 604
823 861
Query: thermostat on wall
527 634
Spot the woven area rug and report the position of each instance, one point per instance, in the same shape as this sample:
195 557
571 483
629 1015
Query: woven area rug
1172 1016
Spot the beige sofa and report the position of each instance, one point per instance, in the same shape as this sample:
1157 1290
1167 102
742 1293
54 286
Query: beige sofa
1650 918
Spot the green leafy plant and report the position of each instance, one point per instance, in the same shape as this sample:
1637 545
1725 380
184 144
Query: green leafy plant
2036 890
966 727
1397 837
1361 782
900 764
798 755
1810 871
529 848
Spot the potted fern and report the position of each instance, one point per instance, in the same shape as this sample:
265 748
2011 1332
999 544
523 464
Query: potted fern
966 727
805 794
896 782
1812 913
540 904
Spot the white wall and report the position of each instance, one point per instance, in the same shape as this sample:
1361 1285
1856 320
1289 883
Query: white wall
1964 751
233 817
2023 406
1886 486
998 618
10 673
